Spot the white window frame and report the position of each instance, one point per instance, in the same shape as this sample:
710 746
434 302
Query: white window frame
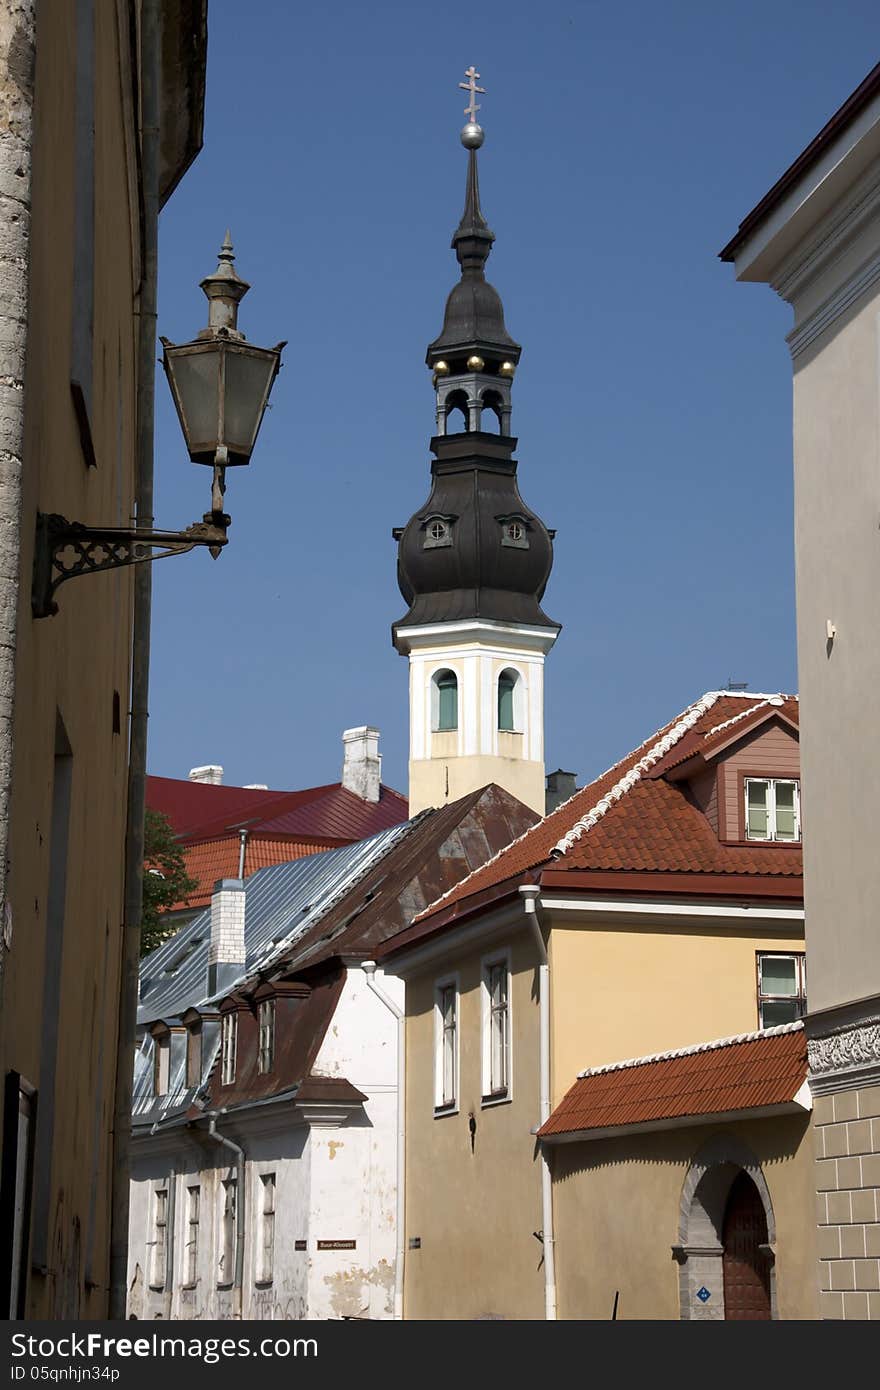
267 1190
442 1104
266 1026
771 784
225 1228
192 1218
159 1244
800 960
498 1096
435 699
228 1047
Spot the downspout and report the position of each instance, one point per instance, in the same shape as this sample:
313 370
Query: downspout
150 88
242 851
369 969
238 1277
529 893
18 40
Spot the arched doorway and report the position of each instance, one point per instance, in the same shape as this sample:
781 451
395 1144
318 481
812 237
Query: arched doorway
726 1219
744 1262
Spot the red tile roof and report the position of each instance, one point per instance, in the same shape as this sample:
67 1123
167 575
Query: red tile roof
629 819
749 1072
280 825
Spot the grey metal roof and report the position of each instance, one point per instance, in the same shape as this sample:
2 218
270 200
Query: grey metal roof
281 902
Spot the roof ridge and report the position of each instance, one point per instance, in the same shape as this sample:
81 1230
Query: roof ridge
777 701
692 714
694 1049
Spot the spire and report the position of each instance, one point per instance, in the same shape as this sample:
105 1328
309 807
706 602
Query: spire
473 326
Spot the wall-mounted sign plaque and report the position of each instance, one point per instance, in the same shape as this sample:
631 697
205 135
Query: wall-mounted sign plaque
337 1244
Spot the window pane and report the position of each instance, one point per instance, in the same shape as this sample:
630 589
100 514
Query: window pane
447 692
505 703
757 813
774 1012
786 827
779 975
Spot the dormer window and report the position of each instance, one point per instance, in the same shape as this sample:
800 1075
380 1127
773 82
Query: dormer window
772 809
266 1017
437 531
161 1062
515 531
228 1047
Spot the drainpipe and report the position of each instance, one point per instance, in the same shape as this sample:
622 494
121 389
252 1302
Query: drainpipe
238 1277
18 39
150 88
529 893
369 969
242 851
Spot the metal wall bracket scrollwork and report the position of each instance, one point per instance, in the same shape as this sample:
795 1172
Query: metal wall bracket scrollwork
65 549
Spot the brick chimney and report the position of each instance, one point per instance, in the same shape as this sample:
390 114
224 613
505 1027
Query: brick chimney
362 764
211 773
226 956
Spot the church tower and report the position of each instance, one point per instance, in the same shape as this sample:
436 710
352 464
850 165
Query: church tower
474 561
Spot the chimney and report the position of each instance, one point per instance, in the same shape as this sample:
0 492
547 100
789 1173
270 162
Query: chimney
560 786
362 764
226 957
212 773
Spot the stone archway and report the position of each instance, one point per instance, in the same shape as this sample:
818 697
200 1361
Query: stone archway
701 1223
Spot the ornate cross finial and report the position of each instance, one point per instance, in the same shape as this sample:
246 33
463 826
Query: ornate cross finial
471 87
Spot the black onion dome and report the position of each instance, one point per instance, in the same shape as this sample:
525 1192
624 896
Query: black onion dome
477 571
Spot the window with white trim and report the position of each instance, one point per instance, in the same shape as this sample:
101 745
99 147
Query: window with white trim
226 1251
782 987
266 1018
228 1045
266 1253
495 996
446 1045
773 808
159 1253
191 1244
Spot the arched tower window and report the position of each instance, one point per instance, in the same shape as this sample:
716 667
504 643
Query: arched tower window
508 702
490 415
456 401
444 701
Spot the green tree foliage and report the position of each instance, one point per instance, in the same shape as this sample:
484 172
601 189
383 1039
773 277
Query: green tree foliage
166 880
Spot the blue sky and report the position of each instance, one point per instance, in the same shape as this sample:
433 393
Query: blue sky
624 143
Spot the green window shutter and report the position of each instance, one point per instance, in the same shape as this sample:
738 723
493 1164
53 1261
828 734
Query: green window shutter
505 702
447 702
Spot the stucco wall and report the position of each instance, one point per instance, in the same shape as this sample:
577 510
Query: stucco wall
836 417
70 666
474 1212
622 992
617 1204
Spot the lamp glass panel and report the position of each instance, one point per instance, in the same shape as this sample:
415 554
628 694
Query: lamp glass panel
248 378
197 379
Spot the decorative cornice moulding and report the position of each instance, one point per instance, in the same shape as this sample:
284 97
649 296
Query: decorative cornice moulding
846 1057
827 313
833 233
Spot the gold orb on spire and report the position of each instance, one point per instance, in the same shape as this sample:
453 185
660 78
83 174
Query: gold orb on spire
506 369
441 368
476 363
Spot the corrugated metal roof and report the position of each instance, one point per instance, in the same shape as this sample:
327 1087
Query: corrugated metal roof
282 901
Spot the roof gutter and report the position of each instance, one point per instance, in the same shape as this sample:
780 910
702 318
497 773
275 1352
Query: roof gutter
369 969
529 895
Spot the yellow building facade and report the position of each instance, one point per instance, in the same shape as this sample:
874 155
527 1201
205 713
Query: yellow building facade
76 74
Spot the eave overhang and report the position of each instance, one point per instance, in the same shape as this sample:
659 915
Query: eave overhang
184 64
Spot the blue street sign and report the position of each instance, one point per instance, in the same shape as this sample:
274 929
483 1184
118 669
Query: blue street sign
703 1294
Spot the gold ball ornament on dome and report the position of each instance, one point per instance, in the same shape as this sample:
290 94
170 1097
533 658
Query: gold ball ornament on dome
441 368
506 369
475 363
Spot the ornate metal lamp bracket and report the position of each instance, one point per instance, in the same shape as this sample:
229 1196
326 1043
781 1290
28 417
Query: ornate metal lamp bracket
65 549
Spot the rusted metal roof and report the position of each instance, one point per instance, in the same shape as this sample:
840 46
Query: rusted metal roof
753 1071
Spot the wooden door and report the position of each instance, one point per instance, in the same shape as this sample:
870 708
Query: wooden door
746 1269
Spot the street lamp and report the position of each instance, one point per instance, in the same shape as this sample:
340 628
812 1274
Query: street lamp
220 383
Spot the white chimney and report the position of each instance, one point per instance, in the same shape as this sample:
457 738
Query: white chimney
362 764
226 955
211 773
